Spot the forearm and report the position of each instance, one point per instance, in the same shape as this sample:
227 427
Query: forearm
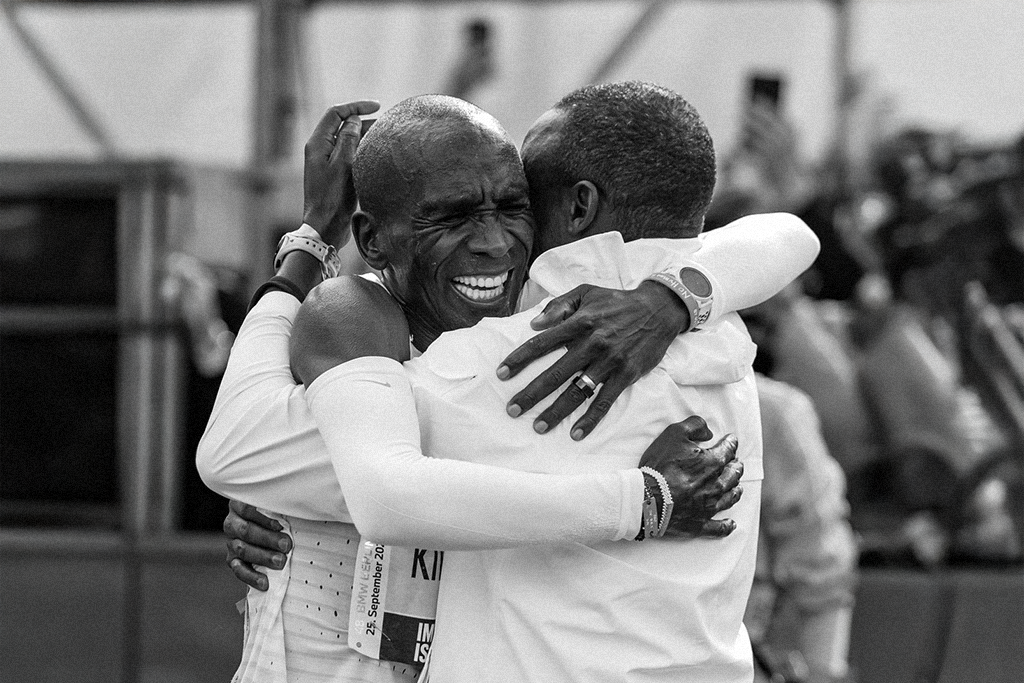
261 445
755 257
397 495
303 270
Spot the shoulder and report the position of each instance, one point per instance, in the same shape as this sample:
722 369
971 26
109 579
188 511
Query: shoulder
475 352
492 336
346 318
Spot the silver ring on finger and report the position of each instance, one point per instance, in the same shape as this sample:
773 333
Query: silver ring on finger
585 384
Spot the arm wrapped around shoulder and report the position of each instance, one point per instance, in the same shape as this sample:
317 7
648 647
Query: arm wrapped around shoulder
367 415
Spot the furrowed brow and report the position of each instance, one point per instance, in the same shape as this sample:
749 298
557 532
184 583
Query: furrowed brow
450 204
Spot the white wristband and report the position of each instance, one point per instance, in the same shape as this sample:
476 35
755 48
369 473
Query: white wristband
308 240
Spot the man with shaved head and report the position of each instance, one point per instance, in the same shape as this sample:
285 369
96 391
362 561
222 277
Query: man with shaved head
446 221
411 194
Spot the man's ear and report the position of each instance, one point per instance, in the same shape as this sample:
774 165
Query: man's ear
585 201
367 235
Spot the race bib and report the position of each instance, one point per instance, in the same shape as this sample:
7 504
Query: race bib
394 602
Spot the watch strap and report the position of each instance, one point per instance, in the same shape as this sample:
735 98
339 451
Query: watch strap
693 288
308 240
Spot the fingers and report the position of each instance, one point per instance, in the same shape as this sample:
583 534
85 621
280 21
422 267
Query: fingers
327 129
696 429
717 528
728 499
725 448
339 112
730 478
712 464
256 532
610 391
559 308
545 383
349 135
574 396
252 514
534 348
571 399
247 575
255 555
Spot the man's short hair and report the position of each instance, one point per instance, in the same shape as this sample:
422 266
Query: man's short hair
374 169
647 150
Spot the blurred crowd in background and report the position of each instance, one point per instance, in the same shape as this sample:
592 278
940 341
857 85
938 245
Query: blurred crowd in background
891 436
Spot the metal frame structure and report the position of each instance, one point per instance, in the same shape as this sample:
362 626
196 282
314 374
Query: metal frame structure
279 47
278 59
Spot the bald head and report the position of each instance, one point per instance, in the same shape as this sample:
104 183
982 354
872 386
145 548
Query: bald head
406 141
444 213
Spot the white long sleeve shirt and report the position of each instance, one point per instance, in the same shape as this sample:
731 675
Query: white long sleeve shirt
605 611
262 446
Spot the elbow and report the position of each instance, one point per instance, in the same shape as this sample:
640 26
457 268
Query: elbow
377 522
210 465
206 467
376 531
805 243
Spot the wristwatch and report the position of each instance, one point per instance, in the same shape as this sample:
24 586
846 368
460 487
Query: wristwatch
693 288
308 240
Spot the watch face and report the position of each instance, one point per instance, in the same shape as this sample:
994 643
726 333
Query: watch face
695 281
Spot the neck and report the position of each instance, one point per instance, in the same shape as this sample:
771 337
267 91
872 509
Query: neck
422 331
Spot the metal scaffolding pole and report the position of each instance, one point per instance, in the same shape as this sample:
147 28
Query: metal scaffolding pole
276 97
275 112
629 40
65 90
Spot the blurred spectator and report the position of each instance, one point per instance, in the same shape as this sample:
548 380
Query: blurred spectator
882 364
191 288
955 216
803 589
803 343
475 64
211 306
908 434
764 173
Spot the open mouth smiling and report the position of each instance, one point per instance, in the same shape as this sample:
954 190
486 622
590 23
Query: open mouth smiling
481 288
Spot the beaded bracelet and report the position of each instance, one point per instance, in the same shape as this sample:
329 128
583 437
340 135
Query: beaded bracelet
666 500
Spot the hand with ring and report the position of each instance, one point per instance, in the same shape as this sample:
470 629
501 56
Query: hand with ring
613 338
